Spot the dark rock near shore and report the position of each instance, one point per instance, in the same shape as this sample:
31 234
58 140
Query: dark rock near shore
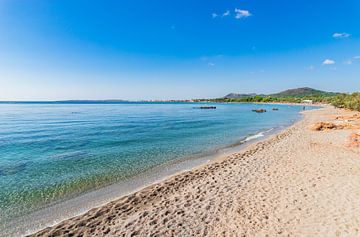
259 110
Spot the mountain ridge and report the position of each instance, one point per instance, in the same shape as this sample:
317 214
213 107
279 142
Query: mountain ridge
296 92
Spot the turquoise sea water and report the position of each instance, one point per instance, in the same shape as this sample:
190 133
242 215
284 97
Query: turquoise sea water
52 151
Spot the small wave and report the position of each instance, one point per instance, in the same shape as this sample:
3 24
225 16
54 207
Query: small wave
12 169
70 155
258 135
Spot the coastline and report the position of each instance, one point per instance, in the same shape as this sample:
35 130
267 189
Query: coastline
281 103
154 176
228 194
64 209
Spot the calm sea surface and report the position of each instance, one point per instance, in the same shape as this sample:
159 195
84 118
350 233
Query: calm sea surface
52 151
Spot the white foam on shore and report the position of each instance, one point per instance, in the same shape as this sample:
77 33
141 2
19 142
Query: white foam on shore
258 135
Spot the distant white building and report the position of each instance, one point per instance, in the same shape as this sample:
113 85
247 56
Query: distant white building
307 101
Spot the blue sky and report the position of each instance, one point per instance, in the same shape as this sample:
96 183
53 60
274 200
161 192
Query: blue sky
161 49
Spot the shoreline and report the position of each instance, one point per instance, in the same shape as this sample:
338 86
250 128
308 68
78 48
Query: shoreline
239 193
205 160
102 196
280 103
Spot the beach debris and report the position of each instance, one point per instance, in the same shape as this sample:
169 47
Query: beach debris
354 140
321 126
259 110
354 117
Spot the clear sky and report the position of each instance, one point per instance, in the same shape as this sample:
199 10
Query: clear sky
175 49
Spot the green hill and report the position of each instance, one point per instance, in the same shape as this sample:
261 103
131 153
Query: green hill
292 95
303 92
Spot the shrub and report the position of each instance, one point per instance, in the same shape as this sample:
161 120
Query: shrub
348 101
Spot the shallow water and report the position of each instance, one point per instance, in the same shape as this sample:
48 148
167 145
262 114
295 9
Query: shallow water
53 151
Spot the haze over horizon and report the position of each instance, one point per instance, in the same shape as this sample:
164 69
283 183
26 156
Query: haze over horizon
141 50
170 99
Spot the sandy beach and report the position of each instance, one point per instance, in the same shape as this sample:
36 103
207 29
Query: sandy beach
304 181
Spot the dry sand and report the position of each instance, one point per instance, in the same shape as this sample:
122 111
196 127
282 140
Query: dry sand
301 182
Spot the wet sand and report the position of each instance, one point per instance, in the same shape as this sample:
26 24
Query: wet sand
304 181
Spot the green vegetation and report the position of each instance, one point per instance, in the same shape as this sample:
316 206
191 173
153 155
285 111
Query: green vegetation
292 96
348 101
268 99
